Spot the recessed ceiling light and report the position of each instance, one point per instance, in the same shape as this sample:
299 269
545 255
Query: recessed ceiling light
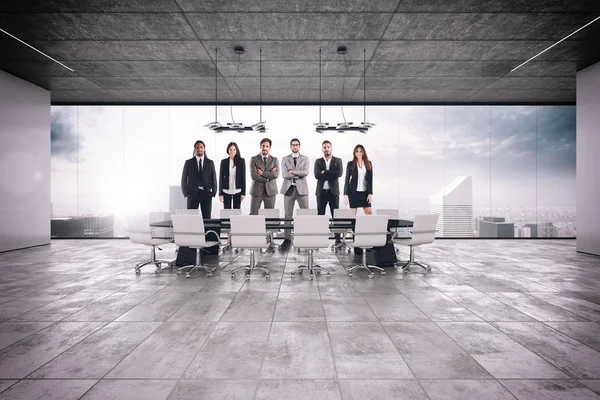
545 50
41 52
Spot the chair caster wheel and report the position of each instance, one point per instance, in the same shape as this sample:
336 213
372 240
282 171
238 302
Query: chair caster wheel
300 272
328 276
293 276
247 277
178 272
382 272
232 276
137 271
350 275
370 276
209 274
311 277
187 276
268 277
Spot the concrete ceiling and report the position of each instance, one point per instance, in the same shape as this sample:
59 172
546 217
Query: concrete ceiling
417 51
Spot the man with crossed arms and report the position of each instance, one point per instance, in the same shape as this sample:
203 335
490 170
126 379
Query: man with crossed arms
294 188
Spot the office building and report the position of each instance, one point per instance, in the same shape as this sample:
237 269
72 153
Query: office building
454 204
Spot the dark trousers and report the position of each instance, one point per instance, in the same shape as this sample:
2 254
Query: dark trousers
229 198
334 202
327 198
200 199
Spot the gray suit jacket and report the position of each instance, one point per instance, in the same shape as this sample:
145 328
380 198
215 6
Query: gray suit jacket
298 173
267 182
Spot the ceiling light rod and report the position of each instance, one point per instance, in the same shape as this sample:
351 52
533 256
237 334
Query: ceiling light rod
364 84
565 38
42 53
320 99
216 80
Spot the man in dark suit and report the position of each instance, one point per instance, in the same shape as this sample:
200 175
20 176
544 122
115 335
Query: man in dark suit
328 171
199 180
264 171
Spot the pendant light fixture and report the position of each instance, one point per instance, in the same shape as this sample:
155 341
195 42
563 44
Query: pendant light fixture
236 126
364 126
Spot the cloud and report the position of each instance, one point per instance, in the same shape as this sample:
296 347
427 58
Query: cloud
63 133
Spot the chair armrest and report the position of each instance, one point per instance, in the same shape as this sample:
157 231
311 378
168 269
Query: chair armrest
311 234
215 233
249 234
371 233
423 231
139 231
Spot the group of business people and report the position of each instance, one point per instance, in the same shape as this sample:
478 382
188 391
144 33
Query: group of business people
199 179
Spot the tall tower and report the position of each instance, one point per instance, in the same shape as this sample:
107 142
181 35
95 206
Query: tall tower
454 204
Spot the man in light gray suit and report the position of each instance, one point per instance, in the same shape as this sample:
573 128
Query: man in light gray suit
264 171
294 188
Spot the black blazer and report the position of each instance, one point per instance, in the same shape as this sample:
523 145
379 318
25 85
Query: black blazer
240 176
190 178
331 175
352 178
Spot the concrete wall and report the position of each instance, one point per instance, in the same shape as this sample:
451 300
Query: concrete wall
24 164
588 159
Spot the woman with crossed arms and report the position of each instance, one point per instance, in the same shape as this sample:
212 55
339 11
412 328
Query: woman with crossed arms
358 188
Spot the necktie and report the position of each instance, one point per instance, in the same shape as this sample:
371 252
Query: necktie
295 158
265 160
201 180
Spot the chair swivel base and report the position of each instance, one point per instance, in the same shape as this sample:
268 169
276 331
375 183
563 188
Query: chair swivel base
411 261
311 268
248 269
153 261
196 267
341 246
364 265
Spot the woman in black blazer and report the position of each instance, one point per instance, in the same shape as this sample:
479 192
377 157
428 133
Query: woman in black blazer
232 190
358 188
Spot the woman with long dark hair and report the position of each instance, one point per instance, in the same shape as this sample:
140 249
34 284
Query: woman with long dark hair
358 189
232 178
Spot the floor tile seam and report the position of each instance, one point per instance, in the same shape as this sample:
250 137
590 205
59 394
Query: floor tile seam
262 363
571 337
396 347
493 298
540 355
69 348
562 308
33 333
543 301
335 370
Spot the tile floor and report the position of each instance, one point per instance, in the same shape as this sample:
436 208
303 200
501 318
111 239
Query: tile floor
494 319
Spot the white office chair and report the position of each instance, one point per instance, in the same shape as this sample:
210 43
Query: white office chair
271 213
392 214
341 213
423 232
138 227
306 211
311 232
249 232
226 213
369 231
185 211
188 230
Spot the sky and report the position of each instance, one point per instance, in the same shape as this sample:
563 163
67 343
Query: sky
123 159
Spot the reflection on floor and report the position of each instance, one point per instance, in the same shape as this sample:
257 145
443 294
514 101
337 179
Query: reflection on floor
494 319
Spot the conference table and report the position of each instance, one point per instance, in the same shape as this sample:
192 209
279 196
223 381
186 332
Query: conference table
287 223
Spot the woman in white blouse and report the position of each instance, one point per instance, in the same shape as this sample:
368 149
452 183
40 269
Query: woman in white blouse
232 178
358 189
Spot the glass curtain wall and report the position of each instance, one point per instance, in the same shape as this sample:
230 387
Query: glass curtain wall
489 171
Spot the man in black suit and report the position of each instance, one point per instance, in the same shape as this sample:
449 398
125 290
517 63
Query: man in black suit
328 171
199 180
